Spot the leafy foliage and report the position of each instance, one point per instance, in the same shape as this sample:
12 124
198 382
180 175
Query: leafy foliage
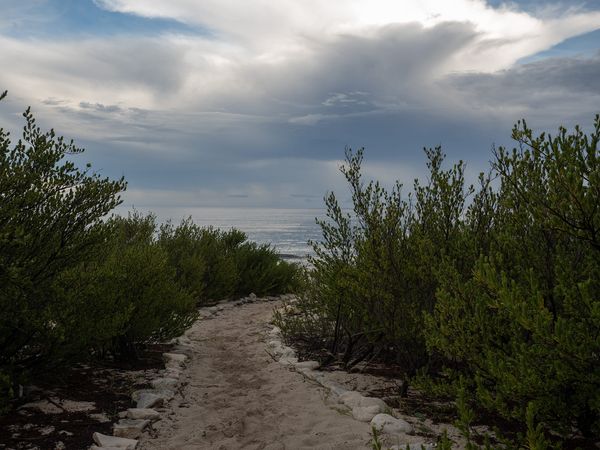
375 269
525 327
50 221
215 264
497 286
75 283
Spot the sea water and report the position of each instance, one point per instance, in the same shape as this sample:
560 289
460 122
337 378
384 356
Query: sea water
287 230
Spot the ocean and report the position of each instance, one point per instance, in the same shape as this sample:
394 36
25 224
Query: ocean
287 230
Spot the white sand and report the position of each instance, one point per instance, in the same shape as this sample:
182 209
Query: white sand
239 398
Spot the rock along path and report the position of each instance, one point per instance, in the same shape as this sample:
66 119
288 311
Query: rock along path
237 397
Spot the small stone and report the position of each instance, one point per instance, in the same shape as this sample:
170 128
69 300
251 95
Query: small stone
164 383
60 445
43 406
289 360
354 399
103 440
390 425
312 365
142 413
95 447
413 446
130 428
73 406
45 431
287 352
365 413
252 296
148 400
335 388
173 372
100 417
174 360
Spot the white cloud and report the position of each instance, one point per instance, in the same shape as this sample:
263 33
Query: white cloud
278 89
274 29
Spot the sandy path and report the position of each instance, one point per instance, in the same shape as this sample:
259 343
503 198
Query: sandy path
237 397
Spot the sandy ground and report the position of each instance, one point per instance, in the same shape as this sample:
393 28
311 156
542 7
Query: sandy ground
237 397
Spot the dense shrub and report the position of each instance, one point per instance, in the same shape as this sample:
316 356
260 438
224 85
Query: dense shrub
50 221
500 285
525 328
374 269
74 283
128 296
215 264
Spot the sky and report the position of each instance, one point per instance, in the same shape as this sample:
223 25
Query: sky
251 103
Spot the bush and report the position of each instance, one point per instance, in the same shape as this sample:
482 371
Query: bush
127 298
374 270
261 271
215 264
50 221
500 290
525 326
74 281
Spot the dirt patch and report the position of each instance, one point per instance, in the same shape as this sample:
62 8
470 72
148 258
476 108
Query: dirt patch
238 397
63 409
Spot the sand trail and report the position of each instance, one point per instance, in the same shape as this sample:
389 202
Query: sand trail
237 397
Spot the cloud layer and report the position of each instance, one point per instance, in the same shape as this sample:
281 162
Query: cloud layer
266 100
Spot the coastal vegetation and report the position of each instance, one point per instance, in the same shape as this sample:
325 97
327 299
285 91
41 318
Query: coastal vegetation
489 294
486 294
78 282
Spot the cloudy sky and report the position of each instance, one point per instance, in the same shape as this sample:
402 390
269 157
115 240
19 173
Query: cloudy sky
251 102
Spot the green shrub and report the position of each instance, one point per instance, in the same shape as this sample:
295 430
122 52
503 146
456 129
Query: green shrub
375 268
203 258
525 327
261 271
498 286
50 221
215 264
128 298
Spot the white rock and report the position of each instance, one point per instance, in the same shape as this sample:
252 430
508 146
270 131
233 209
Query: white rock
312 365
130 428
274 344
75 406
350 398
252 296
354 399
176 358
100 417
413 446
43 406
365 413
184 340
289 360
142 413
334 387
173 372
147 399
103 440
288 352
95 447
45 431
164 383
390 425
